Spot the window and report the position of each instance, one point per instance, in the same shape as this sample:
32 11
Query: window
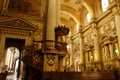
105 4
88 17
77 27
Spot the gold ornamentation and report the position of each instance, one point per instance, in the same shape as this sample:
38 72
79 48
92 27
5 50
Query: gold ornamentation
36 59
51 59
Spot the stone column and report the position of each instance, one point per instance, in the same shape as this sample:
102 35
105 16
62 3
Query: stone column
96 44
52 22
81 53
51 19
97 56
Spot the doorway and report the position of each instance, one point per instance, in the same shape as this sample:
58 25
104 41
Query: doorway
13 48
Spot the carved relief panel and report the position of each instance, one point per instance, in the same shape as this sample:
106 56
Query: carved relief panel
109 43
88 40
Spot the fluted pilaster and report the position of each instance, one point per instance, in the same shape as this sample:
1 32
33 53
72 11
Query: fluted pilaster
96 43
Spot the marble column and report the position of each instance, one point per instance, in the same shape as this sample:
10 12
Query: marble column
96 44
81 53
52 22
81 49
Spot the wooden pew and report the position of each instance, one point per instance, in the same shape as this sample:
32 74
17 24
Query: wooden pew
79 76
3 76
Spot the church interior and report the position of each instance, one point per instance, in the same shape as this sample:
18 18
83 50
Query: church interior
59 39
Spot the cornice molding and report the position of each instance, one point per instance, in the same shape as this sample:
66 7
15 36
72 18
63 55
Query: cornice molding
18 23
16 32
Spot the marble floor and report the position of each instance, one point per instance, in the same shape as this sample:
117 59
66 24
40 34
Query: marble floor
12 77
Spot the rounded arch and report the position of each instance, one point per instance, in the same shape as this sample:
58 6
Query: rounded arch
74 29
89 7
69 14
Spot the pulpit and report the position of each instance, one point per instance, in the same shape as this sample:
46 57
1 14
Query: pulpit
44 56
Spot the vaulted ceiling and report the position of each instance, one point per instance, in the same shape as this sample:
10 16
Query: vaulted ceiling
70 9
73 11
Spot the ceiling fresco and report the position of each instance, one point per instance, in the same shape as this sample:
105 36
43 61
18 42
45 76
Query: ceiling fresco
32 7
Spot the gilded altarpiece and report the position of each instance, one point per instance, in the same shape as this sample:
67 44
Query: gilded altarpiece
109 45
76 53
88 41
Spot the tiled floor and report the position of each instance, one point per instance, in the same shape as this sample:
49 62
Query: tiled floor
12 77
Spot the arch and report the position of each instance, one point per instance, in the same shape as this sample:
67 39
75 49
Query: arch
89 8
69 14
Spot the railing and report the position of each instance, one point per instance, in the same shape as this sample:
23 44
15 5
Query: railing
50 45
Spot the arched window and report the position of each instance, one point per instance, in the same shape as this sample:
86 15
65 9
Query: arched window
105 4
88 17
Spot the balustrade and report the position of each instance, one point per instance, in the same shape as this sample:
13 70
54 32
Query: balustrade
50 45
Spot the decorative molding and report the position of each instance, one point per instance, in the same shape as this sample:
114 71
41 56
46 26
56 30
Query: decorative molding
70 10
108 37
15 32
18 23
50 59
